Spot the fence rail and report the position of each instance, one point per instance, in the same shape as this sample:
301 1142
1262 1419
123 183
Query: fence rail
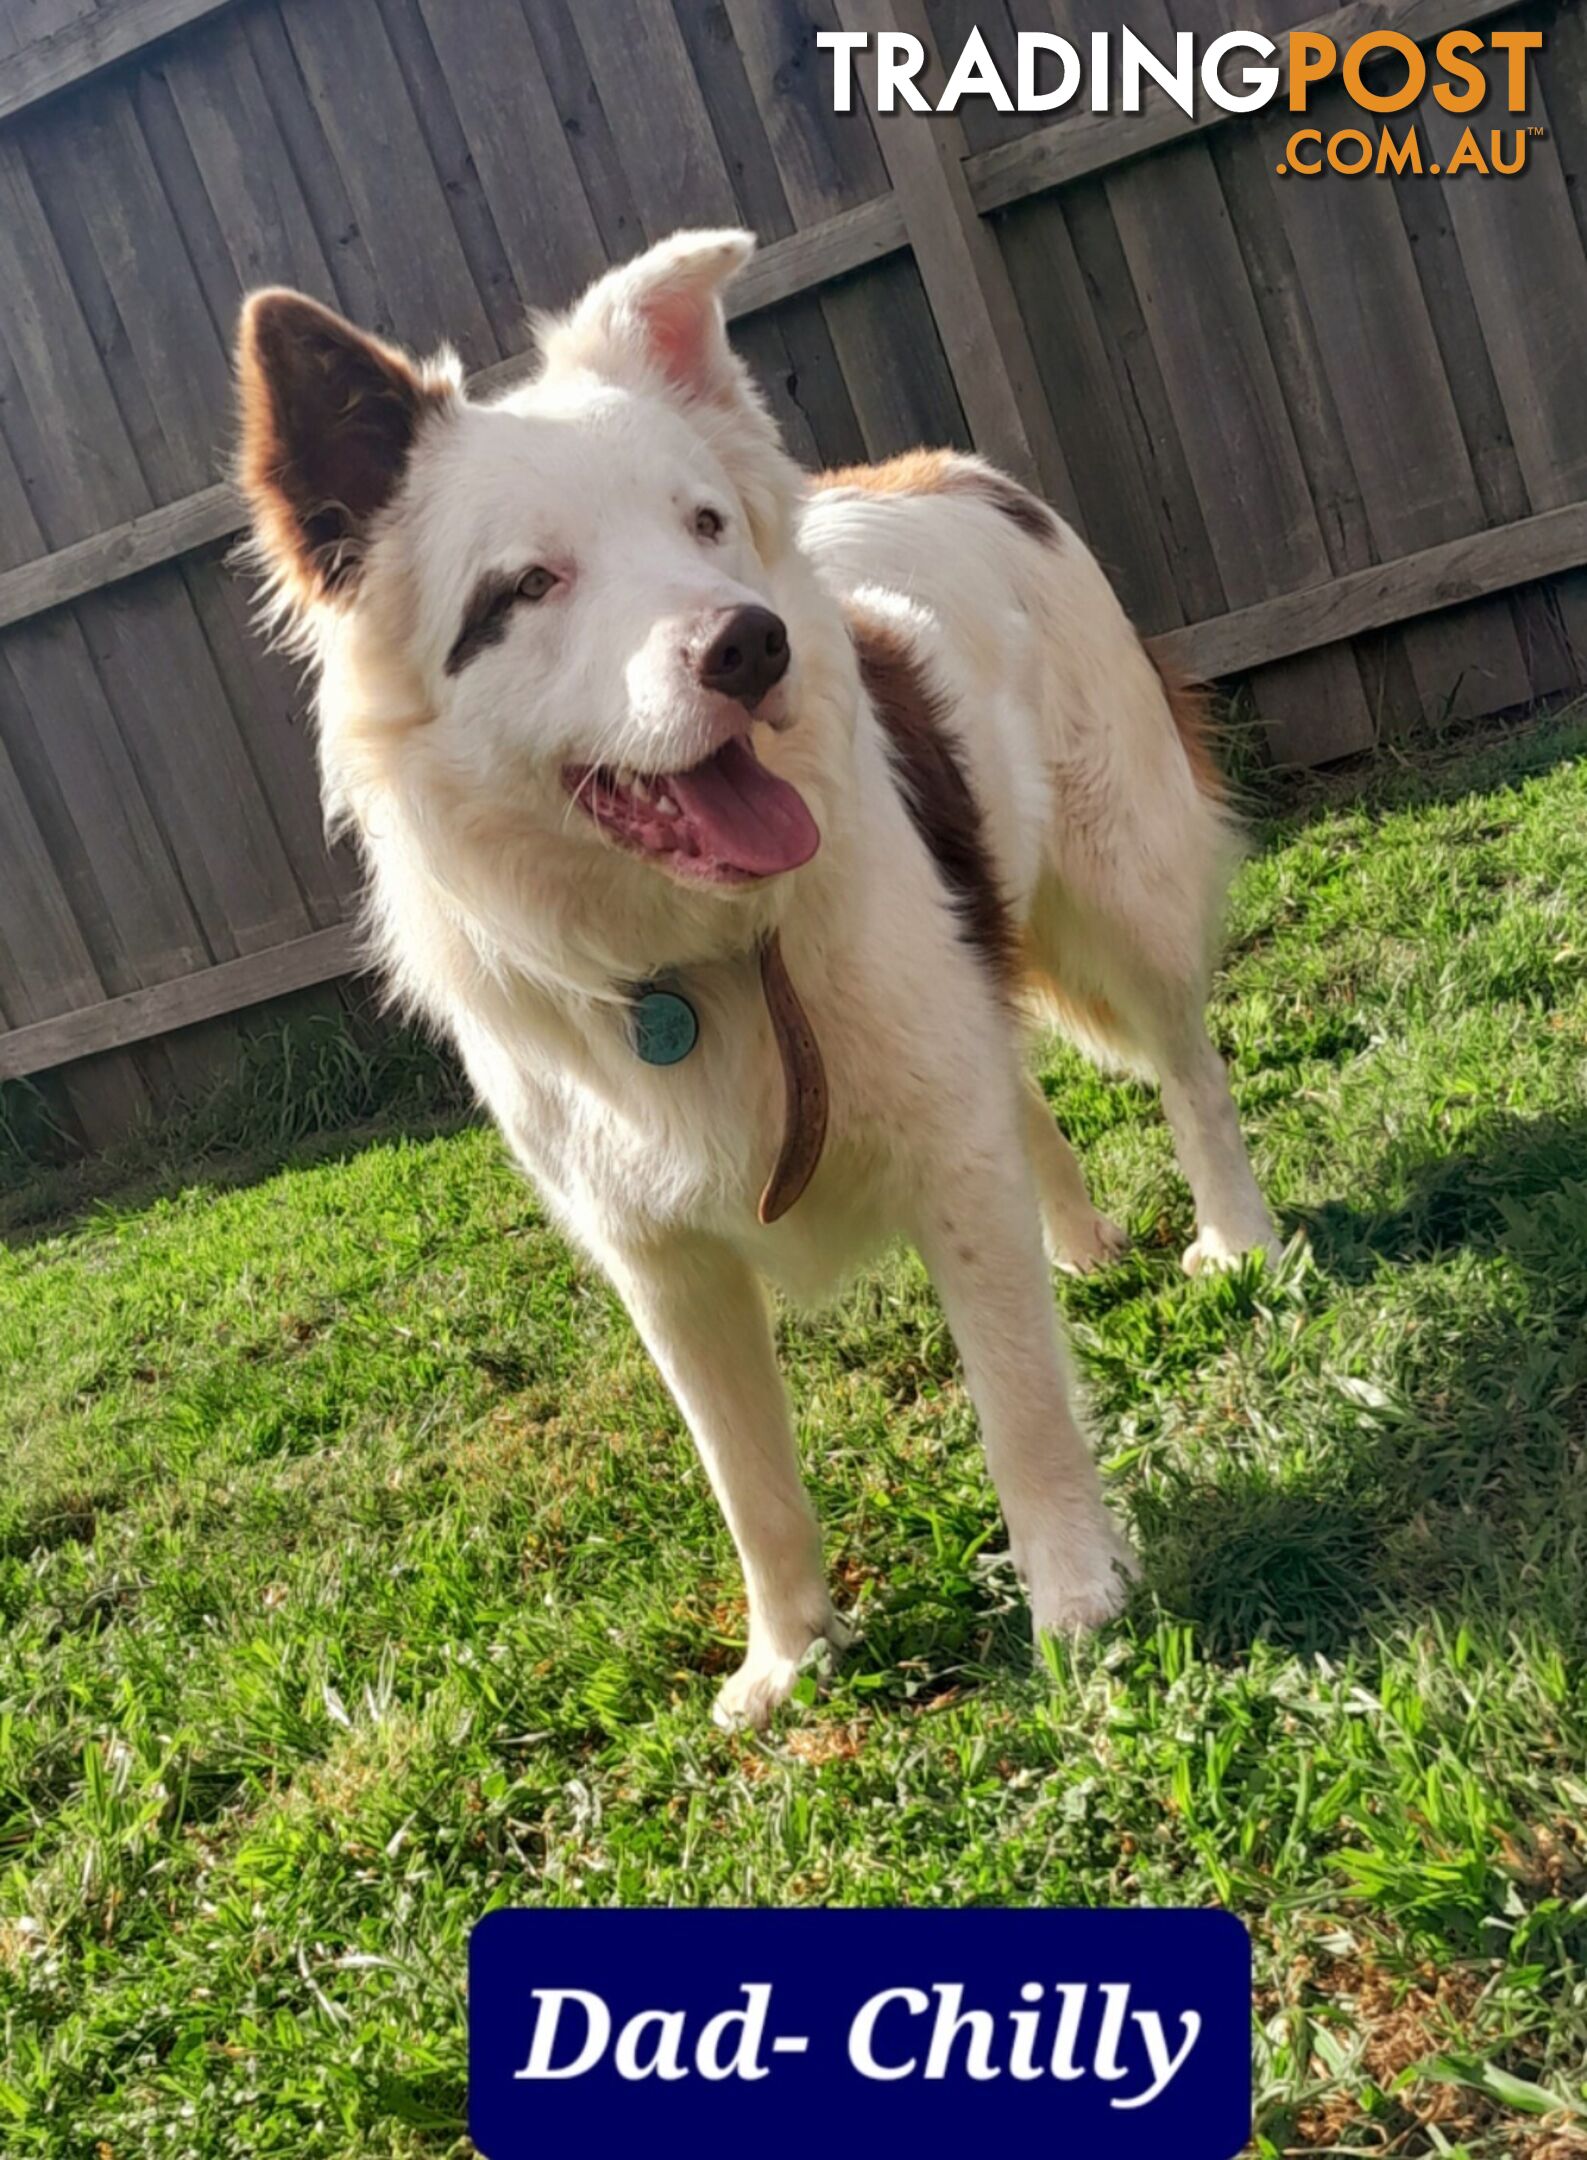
1327 435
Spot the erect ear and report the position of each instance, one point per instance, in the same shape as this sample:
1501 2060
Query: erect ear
329 419
660 316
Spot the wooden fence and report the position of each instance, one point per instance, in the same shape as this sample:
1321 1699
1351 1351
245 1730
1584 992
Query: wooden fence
1330 435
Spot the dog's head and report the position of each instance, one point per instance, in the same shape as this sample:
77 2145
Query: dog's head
571 615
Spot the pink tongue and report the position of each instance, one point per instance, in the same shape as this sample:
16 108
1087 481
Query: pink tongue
745 816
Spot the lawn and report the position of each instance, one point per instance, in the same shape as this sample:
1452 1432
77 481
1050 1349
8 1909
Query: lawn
356 1574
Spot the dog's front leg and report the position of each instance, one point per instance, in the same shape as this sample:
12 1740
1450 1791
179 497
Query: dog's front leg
980 1237
704 1318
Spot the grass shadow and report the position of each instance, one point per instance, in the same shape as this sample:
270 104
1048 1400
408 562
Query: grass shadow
1462 1491
1479 1198
1466 758
306 1091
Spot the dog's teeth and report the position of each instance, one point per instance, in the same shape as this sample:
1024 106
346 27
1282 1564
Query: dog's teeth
641 789
666 805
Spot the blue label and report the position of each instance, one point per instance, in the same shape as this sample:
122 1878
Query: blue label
664 1027
1106 2035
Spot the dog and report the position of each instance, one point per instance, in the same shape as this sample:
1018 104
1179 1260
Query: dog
731 824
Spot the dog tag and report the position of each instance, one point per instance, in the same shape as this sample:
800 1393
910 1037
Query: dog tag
663 1027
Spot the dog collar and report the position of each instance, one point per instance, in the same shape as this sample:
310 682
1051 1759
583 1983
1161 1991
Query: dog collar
804 1079
663 1027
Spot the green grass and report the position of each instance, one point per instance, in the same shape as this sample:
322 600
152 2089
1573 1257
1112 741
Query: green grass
356 1575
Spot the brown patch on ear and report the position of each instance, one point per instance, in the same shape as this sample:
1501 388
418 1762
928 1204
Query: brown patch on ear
945 472
1190 709
936 791
329 418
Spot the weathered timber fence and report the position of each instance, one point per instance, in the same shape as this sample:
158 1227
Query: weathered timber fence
1329 435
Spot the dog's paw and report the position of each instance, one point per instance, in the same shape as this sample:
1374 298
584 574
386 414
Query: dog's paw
1087 1586
1089 1245
769 1674
1213 1250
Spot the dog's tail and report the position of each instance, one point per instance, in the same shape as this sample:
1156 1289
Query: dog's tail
1190 709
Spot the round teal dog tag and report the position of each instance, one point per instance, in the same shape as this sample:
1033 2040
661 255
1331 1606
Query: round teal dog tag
664 1028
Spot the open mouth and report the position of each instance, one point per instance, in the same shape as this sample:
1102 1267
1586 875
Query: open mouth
725 821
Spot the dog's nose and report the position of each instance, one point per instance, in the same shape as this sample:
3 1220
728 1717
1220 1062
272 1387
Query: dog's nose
747 655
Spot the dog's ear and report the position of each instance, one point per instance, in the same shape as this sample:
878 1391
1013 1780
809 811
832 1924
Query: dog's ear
329 420
660 316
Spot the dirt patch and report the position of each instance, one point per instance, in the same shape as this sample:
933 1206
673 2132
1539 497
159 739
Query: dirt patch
1402 2021
818 1744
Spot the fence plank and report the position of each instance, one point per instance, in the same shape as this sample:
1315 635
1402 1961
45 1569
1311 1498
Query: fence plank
451 160
1519 240
142 543
1440 577
162 353
379 149
191 751
273 702
358 288
1232 421
131 904
819 163
230 988
639 66
243 159
1364 381
45 959
509 118
1120 496
826 160
61 392
966 280
1087 142
44 964
25 22
792 352
1526 259
81 48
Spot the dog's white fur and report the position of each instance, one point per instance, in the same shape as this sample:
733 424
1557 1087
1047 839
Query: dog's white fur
504 915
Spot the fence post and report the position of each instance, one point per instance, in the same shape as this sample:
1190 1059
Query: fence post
983 334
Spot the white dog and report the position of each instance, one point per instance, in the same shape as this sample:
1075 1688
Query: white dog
724 820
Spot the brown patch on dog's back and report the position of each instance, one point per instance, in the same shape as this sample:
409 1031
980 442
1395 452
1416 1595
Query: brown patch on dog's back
1190 709
1017 504
916 472
945 472
936 790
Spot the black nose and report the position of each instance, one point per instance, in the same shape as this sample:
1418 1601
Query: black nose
746 655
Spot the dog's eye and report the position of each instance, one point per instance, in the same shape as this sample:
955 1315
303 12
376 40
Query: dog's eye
708 523
536 583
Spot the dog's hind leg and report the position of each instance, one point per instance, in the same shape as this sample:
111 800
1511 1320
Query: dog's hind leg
1142 1011
978 1234
1078 1237
1120 937
1231 1215
704 1317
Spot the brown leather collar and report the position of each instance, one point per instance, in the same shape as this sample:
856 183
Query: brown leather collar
804 1086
